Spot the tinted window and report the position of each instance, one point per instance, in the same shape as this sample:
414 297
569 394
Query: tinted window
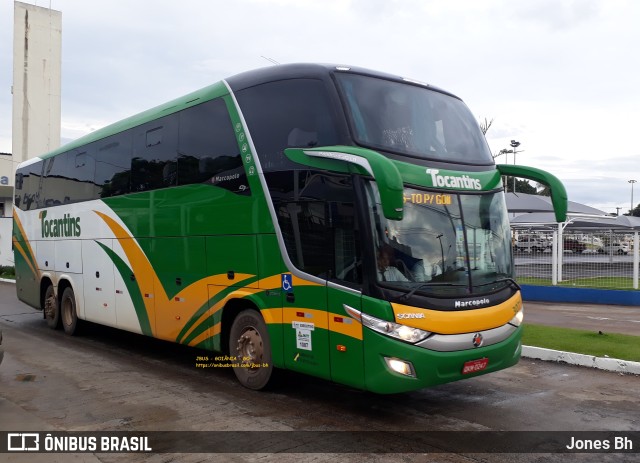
207 147
318 224
82 166
413 120
55 186
113 165
27 189
287 113
155 154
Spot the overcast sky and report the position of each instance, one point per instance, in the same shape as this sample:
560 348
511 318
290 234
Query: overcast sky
559 76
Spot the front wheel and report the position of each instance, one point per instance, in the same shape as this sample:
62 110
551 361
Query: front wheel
68 312
51 308
249 344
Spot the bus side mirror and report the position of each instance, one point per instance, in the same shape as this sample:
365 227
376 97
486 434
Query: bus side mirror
349 159
558 192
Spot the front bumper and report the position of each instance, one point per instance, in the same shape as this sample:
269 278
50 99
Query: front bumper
431 367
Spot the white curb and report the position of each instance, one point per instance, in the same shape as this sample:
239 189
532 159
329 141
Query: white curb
4 280
601 363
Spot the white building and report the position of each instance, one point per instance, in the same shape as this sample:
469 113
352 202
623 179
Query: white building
37 45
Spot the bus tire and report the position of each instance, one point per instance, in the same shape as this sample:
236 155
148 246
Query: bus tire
250 350
51 308
68 312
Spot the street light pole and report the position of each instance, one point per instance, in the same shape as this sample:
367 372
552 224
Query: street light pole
631 182
514 145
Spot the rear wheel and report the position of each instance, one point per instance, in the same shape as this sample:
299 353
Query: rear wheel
68 312
249 344
51 308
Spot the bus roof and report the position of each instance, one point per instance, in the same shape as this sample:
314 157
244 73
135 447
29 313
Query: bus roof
236 83
309 70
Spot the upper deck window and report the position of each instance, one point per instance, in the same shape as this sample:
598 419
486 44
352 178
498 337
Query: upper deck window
287 114
412 120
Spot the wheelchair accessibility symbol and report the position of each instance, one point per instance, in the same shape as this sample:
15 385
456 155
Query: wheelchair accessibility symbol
287 282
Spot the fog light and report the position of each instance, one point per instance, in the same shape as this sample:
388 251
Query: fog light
400 366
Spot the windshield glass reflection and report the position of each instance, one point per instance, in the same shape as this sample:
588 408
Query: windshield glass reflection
411 119
450 244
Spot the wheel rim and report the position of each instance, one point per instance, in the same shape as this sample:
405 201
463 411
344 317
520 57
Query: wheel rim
249 348
67 311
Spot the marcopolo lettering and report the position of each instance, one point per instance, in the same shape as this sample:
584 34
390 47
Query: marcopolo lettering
65 227
472 303
454 181
225 178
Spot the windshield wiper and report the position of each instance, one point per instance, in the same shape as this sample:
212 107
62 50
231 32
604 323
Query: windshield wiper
406 296
514 283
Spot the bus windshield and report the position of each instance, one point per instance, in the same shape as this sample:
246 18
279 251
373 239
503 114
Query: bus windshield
447 244
412 120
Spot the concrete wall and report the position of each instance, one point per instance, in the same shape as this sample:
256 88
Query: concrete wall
37 45
6 254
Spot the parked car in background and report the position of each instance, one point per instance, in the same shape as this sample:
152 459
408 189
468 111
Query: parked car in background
530 244
573 245
614 248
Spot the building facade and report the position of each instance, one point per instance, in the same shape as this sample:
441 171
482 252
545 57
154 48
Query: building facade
37 45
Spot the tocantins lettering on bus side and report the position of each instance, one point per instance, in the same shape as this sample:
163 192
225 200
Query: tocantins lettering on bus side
454 181
65 227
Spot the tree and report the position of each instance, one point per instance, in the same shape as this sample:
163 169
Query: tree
543 190
636 211
522 186
484 125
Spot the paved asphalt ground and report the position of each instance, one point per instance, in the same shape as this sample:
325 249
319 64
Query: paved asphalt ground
108 380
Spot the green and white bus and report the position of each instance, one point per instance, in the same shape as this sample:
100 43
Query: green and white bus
335 221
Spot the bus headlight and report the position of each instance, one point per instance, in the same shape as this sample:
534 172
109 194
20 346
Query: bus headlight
402 332
517 320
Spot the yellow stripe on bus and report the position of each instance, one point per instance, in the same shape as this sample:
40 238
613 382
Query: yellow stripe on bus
300 314
460 321
239 294
146 277
321 319
16 245
31 257
205 335
348 326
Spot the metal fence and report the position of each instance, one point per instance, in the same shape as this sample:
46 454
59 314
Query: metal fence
590 258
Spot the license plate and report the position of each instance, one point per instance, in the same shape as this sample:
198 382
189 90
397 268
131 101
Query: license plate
474 366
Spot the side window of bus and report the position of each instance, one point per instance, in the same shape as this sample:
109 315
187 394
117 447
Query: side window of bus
113 165
155 153
285 114
81 173
55 189
29 179
208 150
318 224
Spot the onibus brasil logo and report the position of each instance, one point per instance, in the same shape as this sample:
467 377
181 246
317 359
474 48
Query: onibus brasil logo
65 227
